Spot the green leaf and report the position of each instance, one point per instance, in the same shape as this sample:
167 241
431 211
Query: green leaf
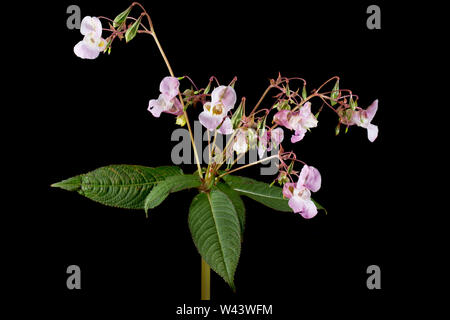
271 197
171 184
123 186
261 192
131 32
335 93
215 230
121 17
237 203
304 94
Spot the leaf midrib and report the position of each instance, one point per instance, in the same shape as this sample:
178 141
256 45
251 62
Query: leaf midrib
257 194
121 185
218 236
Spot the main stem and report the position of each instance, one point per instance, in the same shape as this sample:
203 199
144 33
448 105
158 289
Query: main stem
205 281
205 273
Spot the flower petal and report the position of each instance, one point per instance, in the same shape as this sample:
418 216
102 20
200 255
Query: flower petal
309 209
288 189
226 127
155 108
372 132
85 51
91 24
169 86
261 150
281 118
308 120
224 94
299 135
313 180
277 136
297 204
209 121
240 145
372 110
176 108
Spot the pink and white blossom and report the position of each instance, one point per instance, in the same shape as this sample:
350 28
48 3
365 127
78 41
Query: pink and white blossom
167 101
91 24
269 139
276 137
310 178
363 118
240 144
298 121
215 112
92 43
169 86
299 194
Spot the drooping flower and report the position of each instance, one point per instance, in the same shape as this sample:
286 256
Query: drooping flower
215 112
276 137
92 43
299 121
167 101
263 141
363 118
299 194
269 139
240 144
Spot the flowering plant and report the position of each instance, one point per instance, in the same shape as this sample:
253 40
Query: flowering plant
217 213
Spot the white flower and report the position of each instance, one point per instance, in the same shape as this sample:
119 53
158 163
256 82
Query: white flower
92 43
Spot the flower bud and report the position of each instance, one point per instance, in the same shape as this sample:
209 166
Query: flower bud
121 17
282 178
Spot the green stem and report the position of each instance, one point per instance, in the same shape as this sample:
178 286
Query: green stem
247 165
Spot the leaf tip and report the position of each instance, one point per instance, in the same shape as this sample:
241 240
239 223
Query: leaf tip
71 184
232 286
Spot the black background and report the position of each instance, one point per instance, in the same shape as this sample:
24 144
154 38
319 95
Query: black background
94 113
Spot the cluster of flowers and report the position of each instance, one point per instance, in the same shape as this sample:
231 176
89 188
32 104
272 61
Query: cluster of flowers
249 131
252 132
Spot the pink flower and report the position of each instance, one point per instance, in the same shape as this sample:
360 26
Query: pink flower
167 101
223 99
91 24
299 194
310 178
363 118
169 86
299 121
300 200
281 118
269 139
92 43
276 137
